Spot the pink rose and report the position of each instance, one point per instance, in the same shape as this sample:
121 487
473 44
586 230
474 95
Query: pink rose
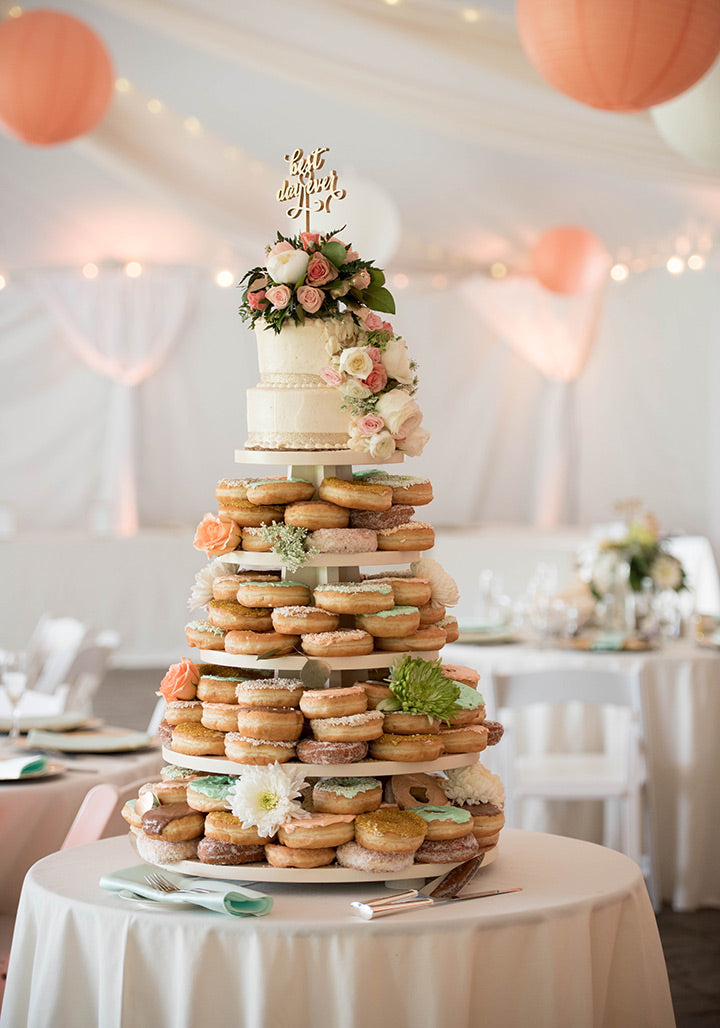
309 239
281 247
361 279
257 300
279 296
374 354
180 681
386 327
369 424
217 534
320 270
332 376
373 322
377 379
310 299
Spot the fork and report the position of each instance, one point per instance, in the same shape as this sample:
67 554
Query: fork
158 881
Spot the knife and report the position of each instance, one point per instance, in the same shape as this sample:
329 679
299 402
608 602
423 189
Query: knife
448 884
368 912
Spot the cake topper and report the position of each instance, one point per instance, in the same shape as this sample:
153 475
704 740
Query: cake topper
307 191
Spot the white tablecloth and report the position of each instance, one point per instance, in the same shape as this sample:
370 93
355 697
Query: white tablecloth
681 691
578 947
35 814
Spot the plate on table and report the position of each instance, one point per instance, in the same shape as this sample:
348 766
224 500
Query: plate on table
598 644
66 722
106 740
49 771
477 636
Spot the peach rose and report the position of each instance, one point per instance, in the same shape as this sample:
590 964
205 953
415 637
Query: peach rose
281 247
217 534
369 424
309 239
320 270
279 296
257 300
180 681
332 376
310 299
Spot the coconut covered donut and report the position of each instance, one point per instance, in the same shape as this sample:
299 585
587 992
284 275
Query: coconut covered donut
353 728
270 692
235 488
205 635
354 597
244 750
405 488
254 541
178 711
356 494
303 620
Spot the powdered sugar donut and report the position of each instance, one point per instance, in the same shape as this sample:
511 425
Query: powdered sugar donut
352 854
270 692
398 514
157 851
178 711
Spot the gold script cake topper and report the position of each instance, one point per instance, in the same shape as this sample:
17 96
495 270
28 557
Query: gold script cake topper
309 193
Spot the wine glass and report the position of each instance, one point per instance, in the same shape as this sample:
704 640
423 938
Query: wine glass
14 680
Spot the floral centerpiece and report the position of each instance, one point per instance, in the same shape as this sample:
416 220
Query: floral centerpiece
643 551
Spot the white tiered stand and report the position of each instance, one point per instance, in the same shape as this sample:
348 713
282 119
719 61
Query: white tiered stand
319 570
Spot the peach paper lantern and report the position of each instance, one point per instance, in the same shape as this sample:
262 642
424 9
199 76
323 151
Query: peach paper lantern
56 77
620 55
569 259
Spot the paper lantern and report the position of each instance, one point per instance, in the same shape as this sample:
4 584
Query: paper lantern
690 124
620 55
569 259
56 77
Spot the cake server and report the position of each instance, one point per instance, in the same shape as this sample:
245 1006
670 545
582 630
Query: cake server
368 912
446 886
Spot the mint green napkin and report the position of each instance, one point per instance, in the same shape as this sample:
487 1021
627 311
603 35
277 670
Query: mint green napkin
609 641
18 767
222 897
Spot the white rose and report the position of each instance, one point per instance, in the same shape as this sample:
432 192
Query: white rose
382 445
604 571
399 412
356 361
666 572
397 362
414 444
354 389
287 267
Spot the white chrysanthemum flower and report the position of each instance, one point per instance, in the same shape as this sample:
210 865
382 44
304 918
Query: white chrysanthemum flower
474 784
443 586
201 592
666 572
267 796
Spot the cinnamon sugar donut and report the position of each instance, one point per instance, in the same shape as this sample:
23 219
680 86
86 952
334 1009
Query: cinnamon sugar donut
418 789
205 635
220 716
231 615
250 515
429 638
348 795
414 535
195 740
352 854
398 514
269 723
343 540
469 739
353 728
282 491
310 751
495 731
273 594
158 851
258 643
447 851
357 495
354 597
228 854
345 643
178 711
406 748
339 702
316 514
254 541
257 751
300 620
270 692
395 622
317 831
285 856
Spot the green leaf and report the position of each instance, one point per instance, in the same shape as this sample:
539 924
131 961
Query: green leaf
334 252
300 315
377 277
379 299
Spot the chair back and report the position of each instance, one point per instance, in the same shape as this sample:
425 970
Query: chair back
87 672
51 651
92 817
567 685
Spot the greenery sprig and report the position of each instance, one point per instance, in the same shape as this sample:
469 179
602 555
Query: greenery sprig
289 543
420 687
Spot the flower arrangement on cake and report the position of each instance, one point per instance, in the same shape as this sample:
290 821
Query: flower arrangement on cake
639 552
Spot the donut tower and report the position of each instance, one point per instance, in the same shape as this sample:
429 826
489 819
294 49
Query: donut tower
315 734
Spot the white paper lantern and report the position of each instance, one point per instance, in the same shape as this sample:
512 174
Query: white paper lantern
690 123
371 217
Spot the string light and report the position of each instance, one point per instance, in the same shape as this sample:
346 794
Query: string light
155 106
192 126
696 262
90 270
123 85
401 281
3 281
675 265
224 278
619 272
133 269
15 11
498 270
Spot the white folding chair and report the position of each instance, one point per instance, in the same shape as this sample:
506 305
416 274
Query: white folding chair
617 775
53 647
87 671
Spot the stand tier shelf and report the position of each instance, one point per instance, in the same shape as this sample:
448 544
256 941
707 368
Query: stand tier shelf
372 660
378 558
313 458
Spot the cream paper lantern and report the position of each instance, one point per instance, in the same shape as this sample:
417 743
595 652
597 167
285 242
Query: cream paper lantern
690 124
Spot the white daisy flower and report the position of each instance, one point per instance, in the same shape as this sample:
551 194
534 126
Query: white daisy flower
443 586
666 572
267 796
474 784
201 592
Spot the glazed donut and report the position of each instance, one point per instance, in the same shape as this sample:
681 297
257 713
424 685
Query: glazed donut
158 851
352 854
178 711
449 625
375 692
408 591
349 642
205 635
340 702
209 793
257 751
347 795
250 515
172 822
355 494
444 821
400 722
414 535
431 612
280 490
389 830
300 620
254 541
448 851
464 675
212 851
273 594
225 827
406 748
196 740
235 488
219 689
398 514
270 692
418 789
317 831
343 540
269 723
353 728
284 856
354 597
495 731
405 488
316 514
396 622
428 638
225 587
469 739
258 643
470 707
310 751
220 716
231 615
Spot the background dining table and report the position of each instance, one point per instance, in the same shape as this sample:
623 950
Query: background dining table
680 684
578 946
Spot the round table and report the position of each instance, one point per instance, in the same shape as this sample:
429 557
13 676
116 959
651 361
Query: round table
578 946
35 813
